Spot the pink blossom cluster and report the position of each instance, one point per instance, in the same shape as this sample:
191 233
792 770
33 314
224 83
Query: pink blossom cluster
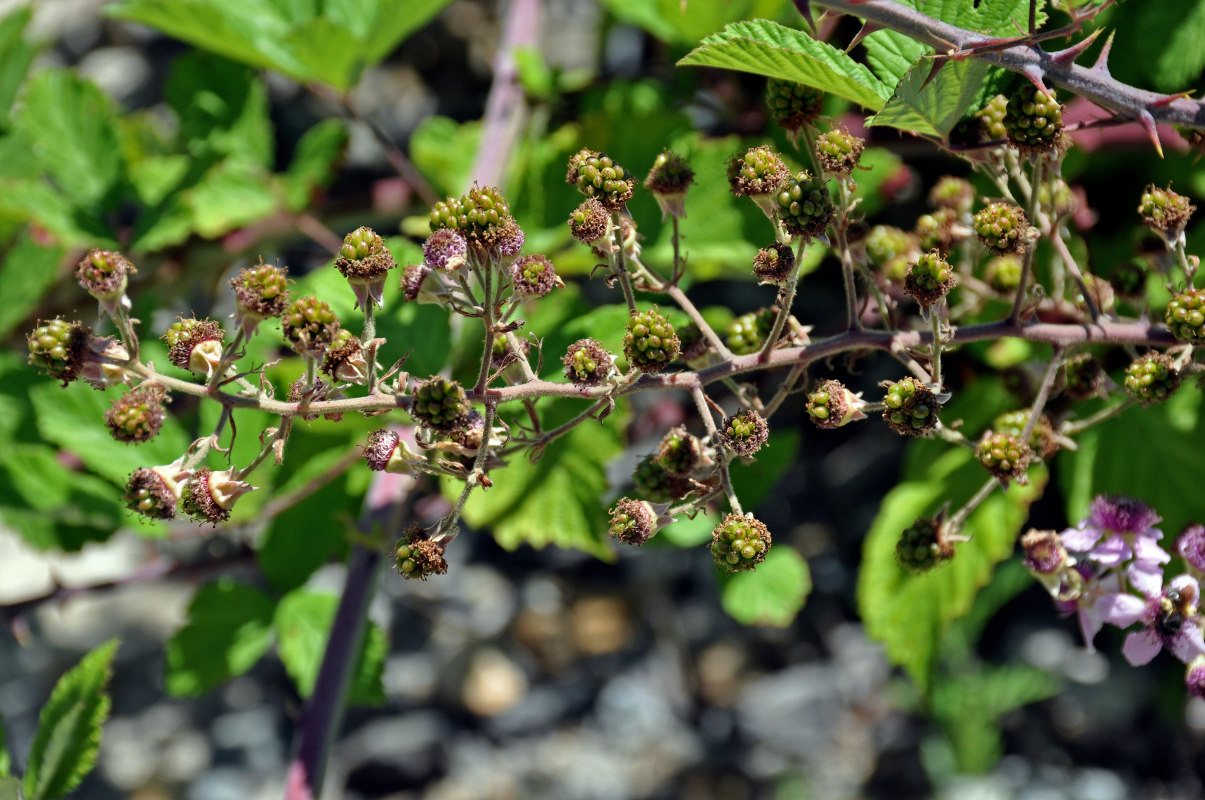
1109 570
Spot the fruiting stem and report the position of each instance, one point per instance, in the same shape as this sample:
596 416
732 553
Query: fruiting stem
713 339
281 435
948 434
125 328
1060 247
935 345
676 273
618 268
1189 270
1014 316
1039 402
955 523
229 353
565 427
853 318
786 298
487 318
784 391
447 525
721 455
809 137
516 347
1073 427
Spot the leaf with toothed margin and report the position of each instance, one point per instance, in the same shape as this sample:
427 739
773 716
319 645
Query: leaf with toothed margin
933 105
767 48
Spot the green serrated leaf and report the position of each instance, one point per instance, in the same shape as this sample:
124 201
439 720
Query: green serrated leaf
910 613
312 168
684 24
73 418
16 54
303 623
73 131
27 273
1117 457
933 109
68 736
394 21
773 50
223 110
229 197
229 629
51 506
772 594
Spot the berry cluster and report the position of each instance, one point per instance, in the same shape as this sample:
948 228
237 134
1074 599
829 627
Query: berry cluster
1152 378
805 206
1002 227
924 545
597 175
910 407
930 278
650 343
739 543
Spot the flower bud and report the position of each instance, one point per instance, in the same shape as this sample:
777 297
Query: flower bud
534 276
105 275
445 250
386 452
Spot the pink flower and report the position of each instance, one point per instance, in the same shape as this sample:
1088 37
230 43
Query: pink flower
1119 529
1169 620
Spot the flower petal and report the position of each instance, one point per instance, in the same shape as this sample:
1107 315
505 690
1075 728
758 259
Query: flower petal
1112 551
1146 578
1188 643
1146 549
1081 540
1120 609
1141 646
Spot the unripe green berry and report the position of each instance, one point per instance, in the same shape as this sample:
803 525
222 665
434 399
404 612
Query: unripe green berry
1082 376
910 407
478 214
344 358
830 405
1003 273
739 543
805 206
940 230
1165 211
793 105
1004 455
590 221
748 332
104 274
633 521
194 344
260 292
991 116
885 242
680 453
58 348
923 545
309 326
692 344
1002 227
153 493
441 404
137 416
650 343
534 276
953 193
597 175
210 495
587 363
1152 378
365 261
668 180
418 556
930 278
759 171
651 482
838 151
1033 121
1042 440
744 432
774 264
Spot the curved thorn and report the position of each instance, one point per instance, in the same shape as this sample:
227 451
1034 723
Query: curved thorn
1034 75
1148 123
1073 52
867 28
1102 61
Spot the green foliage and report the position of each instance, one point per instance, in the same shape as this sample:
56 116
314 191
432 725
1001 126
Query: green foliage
68 737
910 613
773 593
229 629
303 623
1160 45
28 271
328 42
933 109
16 54
556 500
766 48
681 24
1151 453
969 704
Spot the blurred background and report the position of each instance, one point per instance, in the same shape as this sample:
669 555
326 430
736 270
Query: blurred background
525 672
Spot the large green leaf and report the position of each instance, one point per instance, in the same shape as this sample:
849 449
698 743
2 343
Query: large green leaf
16 54
910 613
1161 45
327 42
73 418
230 197
935 108
229 628
28 271
313 164
72 129
1151 453
438 146
770 49
555 501
684 24
51 506
223 110
68 737
773 593
303 623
